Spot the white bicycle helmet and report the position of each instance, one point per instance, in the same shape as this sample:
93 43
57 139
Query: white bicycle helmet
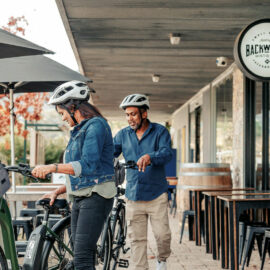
70 90
135 100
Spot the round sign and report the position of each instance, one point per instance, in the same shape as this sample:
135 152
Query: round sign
252 50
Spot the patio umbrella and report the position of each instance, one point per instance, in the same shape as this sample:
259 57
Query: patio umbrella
13 46
32 74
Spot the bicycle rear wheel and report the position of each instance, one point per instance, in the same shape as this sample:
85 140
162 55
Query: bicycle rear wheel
55 255
119 228
3 261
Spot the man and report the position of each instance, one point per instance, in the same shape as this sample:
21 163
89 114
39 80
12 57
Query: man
148 144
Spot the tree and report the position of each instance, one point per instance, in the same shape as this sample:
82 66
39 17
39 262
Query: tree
26 106
19 149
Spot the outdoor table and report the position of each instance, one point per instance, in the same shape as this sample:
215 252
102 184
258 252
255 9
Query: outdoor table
236 204
211 217
197 191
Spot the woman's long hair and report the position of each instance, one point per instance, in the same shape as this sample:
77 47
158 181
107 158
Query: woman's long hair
86 109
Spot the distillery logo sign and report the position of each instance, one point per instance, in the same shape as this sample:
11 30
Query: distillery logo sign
252 50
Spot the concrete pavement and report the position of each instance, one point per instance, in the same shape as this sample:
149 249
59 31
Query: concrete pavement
188 256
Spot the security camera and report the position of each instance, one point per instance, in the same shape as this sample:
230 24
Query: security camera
222 61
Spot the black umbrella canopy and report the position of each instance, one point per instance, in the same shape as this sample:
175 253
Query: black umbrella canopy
35 73
14 46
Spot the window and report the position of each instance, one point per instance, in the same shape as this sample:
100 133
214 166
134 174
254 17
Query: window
224 121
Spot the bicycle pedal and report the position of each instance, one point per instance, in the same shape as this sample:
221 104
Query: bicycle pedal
123 263
126 250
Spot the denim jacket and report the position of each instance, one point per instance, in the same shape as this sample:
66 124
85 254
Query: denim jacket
156 142
90 152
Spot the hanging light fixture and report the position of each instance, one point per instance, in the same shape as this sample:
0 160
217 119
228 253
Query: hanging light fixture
175 38
155 78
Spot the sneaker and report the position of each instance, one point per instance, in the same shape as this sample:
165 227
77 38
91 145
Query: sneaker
161 265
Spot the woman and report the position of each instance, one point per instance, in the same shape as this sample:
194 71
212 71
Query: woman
89 168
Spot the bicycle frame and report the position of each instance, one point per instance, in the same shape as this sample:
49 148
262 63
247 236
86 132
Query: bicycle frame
9 240
8 236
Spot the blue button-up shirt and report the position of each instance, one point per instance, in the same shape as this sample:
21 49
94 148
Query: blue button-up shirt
156 142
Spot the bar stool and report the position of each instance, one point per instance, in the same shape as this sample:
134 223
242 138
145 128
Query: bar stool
40 217
190 214
30 212
242 233
186 214
266 242
52 222
172 198
26 223
254 231
21 247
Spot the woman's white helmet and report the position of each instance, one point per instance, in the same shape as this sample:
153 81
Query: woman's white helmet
135 100
76 90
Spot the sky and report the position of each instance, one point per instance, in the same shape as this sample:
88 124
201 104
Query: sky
45 27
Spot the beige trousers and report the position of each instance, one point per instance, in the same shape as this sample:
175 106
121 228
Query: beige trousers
138 213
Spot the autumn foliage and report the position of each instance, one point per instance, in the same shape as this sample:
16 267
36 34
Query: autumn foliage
16 25
27 106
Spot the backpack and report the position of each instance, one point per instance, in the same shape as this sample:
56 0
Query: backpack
119 171
4 180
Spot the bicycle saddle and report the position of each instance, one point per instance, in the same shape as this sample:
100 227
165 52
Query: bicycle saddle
58 203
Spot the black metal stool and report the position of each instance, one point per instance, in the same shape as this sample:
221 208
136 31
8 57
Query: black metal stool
172 198
52 221
21 248
186 214
191 214
26 223
30 212
254 231
40 217
265 247
242 234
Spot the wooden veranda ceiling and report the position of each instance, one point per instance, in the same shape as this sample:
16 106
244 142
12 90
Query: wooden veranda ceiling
121 43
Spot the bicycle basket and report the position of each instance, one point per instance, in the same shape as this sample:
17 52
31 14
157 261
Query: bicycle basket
119 171
4 180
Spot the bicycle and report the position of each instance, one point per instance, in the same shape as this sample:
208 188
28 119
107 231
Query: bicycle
47 248
117 218
117 222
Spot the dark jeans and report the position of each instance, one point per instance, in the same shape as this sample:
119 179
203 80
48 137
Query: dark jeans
87 220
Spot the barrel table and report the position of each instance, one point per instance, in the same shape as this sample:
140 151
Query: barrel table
200 176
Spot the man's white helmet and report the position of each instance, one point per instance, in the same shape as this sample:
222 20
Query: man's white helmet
135 100
70 90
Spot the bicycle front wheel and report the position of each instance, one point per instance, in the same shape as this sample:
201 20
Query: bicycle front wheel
55 254
119 228
104 249
3 261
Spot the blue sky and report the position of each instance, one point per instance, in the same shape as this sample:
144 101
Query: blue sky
45 26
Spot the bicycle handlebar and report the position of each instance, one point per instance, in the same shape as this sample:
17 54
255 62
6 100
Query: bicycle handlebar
25 170
131 164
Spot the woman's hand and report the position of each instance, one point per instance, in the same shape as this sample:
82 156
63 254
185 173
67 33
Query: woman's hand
41 171
52 196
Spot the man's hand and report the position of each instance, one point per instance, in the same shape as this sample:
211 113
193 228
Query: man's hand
143 162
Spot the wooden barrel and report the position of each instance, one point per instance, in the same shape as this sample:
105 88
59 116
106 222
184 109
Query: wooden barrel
199 175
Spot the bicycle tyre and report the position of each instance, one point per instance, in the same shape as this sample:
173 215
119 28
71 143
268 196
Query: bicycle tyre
104 252
102 261
49 258
119 228
3 261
